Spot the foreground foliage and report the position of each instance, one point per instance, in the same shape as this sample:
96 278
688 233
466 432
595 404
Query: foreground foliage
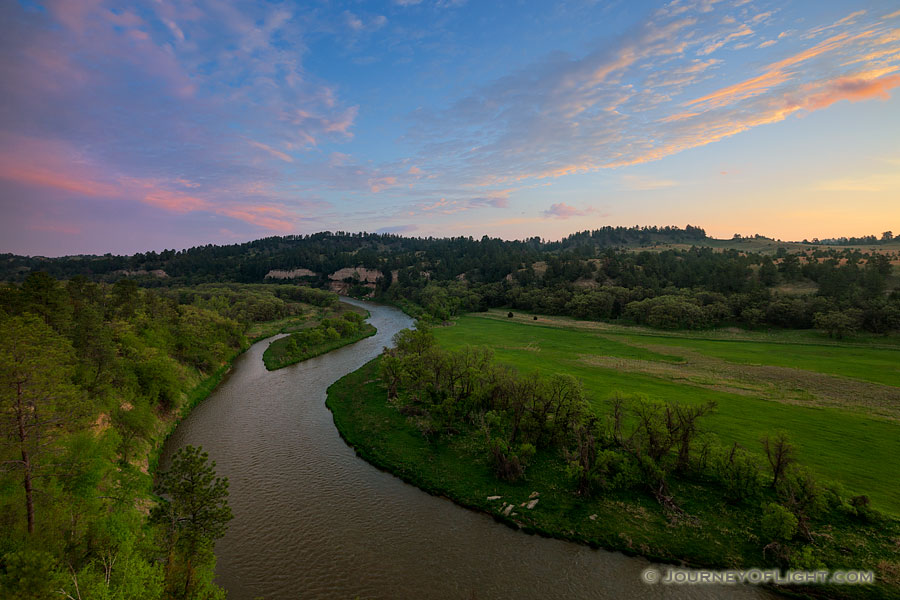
92 376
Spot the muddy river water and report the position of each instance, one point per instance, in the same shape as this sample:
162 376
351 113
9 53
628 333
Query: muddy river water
314 521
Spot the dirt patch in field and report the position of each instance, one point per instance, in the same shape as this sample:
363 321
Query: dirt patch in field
529 347
781 384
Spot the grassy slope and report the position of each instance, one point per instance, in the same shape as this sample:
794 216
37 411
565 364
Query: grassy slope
457 467
857 450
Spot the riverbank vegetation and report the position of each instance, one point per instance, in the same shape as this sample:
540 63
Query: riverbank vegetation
623 471
840 402
325 335
92 377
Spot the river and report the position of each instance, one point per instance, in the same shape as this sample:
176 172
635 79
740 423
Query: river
314 521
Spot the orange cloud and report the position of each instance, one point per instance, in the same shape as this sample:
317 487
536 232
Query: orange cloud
774 74
853 89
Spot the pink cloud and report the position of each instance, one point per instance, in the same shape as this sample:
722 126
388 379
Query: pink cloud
53 164
267 217
64 228
564 211
276 153
56 165
176 202
380 183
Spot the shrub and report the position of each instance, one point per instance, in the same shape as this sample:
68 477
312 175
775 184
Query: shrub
778 523
738 472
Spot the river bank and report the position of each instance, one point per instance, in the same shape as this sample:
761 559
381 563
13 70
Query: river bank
713 534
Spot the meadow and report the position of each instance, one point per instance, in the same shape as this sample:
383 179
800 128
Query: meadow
839 402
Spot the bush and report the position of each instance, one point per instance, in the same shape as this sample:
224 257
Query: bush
738 472
778 523
510 465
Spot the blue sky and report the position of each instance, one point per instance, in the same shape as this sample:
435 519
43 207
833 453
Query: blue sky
150 125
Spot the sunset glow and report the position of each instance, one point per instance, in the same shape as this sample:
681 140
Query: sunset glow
174 124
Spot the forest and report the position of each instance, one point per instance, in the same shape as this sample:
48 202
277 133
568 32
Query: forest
92 378
605 274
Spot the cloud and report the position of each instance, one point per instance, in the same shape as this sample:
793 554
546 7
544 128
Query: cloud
773 75
176 202
267 217
380 183
353 22
357 24
276 153
641 98
489 202
63 228
713 46
851 88
564 211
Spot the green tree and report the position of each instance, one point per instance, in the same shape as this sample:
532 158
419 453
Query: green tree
778 523
193 511
836 323
38 405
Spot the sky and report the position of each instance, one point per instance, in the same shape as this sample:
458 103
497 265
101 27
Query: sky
146 125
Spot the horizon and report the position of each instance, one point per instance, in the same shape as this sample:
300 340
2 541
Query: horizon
176 125
827 242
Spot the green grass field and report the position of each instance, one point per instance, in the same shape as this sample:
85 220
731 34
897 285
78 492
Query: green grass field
840 403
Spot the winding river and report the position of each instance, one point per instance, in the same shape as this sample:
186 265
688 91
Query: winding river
314 521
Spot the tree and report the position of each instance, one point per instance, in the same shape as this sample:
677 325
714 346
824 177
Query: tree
778 523
780 454
836 323
193 510
38 404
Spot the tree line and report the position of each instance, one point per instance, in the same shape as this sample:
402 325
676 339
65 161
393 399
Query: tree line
589 275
